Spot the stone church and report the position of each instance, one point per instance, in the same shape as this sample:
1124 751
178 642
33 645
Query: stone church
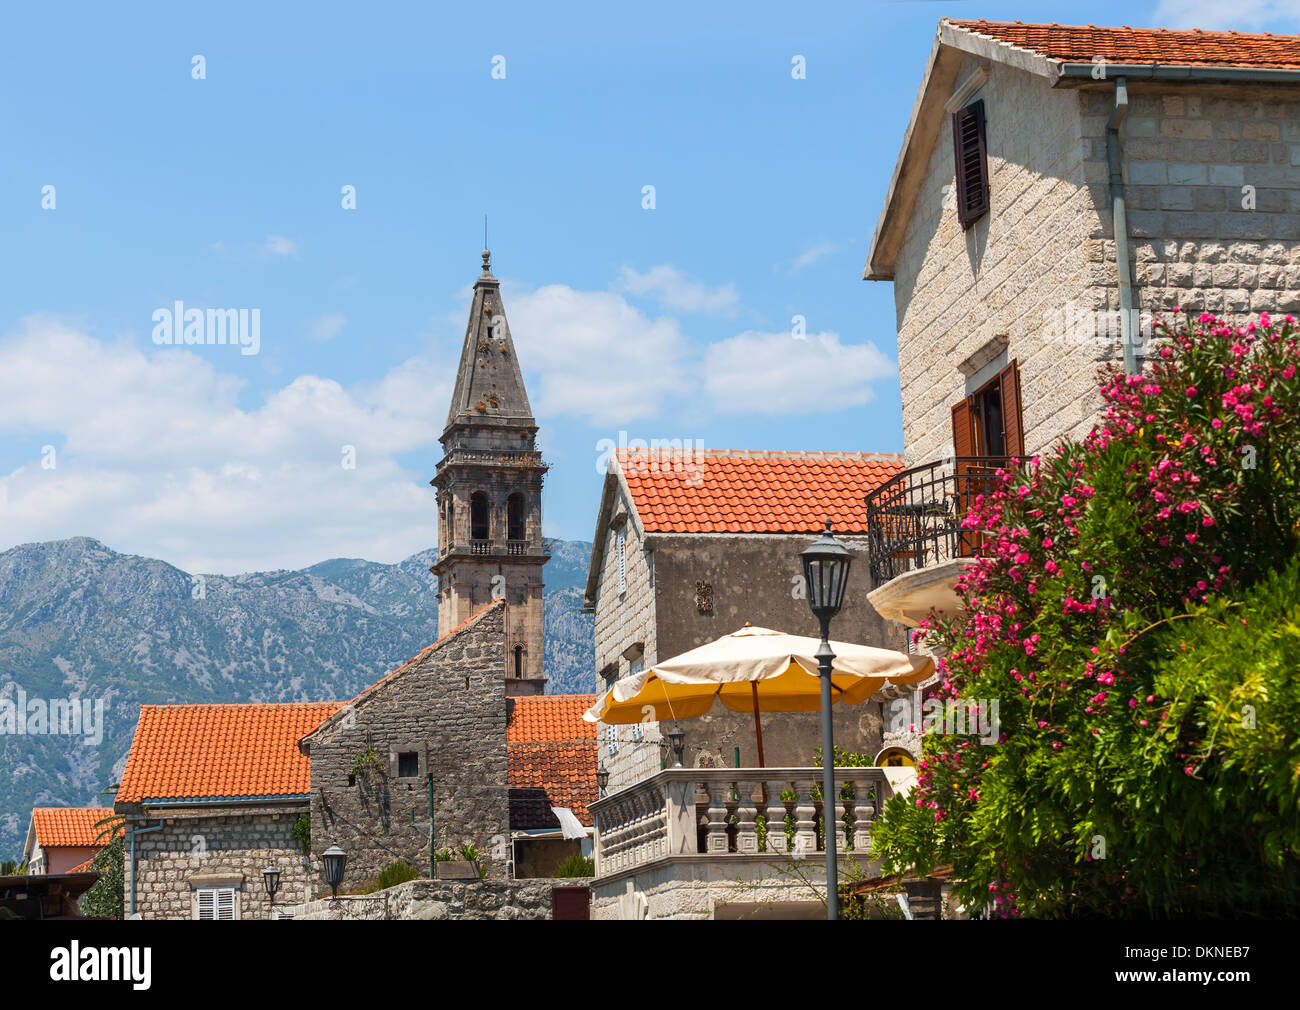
489 485
459 743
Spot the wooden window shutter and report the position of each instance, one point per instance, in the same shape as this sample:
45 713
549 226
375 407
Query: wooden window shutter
963 429
970 157
1013 425
207 903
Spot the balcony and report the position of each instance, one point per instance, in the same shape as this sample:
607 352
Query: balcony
916 545
516 548
687 839
480 546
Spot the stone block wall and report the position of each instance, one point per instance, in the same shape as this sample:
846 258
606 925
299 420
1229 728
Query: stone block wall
448 706
217 848
1041 264
621 621
444 900
753 579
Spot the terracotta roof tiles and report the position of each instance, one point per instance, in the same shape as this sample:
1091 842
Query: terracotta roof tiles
1193 47
551 753
729 491
70 826
220 751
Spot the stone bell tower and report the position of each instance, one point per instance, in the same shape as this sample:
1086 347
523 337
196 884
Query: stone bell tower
489 484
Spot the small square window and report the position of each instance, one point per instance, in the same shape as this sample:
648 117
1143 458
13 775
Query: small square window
408 765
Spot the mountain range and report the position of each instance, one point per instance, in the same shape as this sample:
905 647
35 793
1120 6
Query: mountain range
81 621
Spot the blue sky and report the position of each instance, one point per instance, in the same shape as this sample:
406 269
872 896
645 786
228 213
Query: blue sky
225 192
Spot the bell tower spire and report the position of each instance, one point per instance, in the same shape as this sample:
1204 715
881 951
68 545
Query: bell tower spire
489 485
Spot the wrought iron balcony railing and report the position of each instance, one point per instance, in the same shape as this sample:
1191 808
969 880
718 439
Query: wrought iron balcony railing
914 520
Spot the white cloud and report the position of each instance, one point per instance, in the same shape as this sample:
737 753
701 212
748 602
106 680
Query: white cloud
156 456
775 373
597 356
1280 16
278 245
674 290
327 327
811 255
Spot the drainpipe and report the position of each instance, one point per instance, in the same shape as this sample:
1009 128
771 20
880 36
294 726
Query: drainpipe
1114 159
134 832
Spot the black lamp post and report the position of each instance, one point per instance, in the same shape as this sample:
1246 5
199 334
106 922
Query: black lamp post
334 858
825 570
271 881
602 780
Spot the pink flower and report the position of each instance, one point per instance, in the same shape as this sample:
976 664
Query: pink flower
1191 390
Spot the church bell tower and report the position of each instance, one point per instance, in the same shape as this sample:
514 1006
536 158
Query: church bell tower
489 484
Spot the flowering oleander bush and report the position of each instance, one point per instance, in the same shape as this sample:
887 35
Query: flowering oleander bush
1136 612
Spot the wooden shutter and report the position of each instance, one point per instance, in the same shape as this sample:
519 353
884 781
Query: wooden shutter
964 443
207 903
970 157
963 428
1013 425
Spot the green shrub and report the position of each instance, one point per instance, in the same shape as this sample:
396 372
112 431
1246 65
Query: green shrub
577 865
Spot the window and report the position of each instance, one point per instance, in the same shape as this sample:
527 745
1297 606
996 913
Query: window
636 666
988 422
970 157
478 516
515 519
519 661
215 903
408 765
621 551
611 740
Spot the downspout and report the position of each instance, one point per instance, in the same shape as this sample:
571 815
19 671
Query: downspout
134 832
1115 160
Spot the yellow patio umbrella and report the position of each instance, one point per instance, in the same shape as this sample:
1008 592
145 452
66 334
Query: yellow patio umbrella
754 670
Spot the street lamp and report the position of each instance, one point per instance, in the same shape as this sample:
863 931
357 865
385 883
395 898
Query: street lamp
271 881
676 740
825 570
602 780
334 858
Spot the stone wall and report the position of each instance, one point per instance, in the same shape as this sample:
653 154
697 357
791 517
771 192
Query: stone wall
754 579
957 291
217 848
621 621
709 887
448 707
1028 281
444 899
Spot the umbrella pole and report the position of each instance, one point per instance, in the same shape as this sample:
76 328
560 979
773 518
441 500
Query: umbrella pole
758 726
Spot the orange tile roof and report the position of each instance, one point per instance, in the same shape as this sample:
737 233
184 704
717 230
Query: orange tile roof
728 491
71 826
220 751
81 867
1194 48
549 746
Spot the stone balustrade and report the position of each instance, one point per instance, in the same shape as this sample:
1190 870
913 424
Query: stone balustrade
761 812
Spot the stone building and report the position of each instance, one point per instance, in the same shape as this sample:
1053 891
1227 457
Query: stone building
691 546
489 484
428 741
1027 146
210 796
